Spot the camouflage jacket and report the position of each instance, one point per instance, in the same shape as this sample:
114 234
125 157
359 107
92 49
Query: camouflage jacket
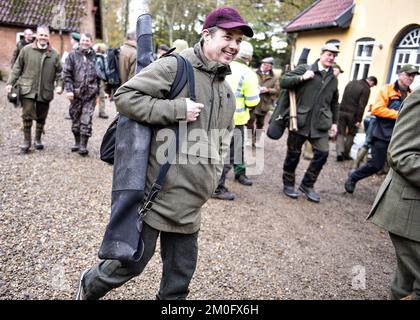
79 73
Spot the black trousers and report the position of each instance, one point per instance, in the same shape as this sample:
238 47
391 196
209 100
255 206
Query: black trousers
294 147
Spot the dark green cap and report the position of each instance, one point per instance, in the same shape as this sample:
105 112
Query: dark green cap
409 68
75 36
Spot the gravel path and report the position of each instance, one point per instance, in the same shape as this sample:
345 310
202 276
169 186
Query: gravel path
54 206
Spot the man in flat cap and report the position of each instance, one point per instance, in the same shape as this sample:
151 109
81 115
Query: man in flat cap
317 113
269 89
385 109
176 214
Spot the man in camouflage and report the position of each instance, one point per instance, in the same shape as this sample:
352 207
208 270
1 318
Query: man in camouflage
36 70
82 86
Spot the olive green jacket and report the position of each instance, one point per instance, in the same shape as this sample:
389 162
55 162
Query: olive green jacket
191 181
37 71
316 100
397 204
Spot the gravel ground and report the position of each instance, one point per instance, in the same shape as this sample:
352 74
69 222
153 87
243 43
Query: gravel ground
54 206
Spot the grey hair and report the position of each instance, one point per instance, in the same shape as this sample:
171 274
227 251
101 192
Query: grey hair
43 26
212 31
131 35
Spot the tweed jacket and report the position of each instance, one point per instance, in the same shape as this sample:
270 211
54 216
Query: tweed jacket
271 82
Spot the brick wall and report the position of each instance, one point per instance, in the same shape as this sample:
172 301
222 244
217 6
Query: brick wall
8 39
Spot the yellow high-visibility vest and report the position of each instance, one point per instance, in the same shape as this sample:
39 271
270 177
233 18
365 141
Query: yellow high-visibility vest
244 84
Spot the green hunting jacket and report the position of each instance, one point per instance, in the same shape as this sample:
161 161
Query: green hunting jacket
193 179
37 71
316 100
397 204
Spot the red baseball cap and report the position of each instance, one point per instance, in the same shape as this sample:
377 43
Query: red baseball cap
227 18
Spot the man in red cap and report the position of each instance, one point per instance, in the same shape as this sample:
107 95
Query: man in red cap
142 98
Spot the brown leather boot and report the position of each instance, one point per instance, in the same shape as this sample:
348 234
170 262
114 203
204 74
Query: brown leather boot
26 140
38 143
76 145
83 144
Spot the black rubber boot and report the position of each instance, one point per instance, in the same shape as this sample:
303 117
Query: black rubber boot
38 143
83 144
76 145
27 140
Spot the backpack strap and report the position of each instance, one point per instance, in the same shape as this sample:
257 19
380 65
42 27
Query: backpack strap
184 76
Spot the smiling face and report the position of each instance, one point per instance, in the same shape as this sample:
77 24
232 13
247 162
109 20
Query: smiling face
406 79
42 35
222 45
85 42
327 58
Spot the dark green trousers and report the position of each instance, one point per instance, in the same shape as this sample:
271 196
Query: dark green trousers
179 254
34 110
406 279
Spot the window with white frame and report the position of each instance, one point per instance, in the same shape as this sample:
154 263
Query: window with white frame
19 36
362 58
407 51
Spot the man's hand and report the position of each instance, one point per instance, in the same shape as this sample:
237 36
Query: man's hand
193 110
9 88
263 89
59 90
70 96
357 124
309 74
333 130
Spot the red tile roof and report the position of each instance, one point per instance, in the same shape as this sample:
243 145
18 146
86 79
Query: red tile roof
321 14
30 13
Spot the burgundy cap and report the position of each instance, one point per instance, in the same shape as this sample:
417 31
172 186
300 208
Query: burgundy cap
227 18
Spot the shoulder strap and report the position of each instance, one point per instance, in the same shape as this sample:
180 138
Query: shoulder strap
184 76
